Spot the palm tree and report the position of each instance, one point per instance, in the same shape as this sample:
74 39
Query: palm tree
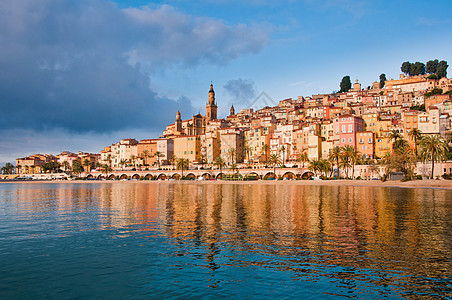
133 159
314 166
266 149
232 154
415 134
172 160
158 154
433 148
86 163
247 151
106 168
122 163
303 158
273 161
283 151
335 156
145 155
347 153
353 156
66 165
182 164
219 162
18 167
324 166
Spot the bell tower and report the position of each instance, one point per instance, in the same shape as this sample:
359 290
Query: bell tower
211 107
178 122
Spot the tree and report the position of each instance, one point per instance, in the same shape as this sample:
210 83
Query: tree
401 160
303 158
86 164
415 134
314 166
345 85
432 66
247 151
66 166
172 160
133 159
182 164
122 163
335 156
105 168
266 149
273 161
283 151
202 159
324 166
382 80
8 168
232 154
419 68
145 156
158 154
77 167
433 148
442 69
406 67
219 162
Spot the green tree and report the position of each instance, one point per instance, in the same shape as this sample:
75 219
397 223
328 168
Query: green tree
219 162
158 154
419 68
202 159
266 149
232 154
314 166
182 164
335 156
432 66
122 163
283 151
8 168
303 158
105 168
345 85
324 166
273 161
382 80
77 167
415 134
86 164
401 160
247 151
406 67
145 156
433 148
442 69
66 166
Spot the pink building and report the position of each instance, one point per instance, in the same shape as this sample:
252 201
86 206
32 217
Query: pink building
346 127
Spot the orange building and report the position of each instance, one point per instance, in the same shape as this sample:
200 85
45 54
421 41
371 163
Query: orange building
365 141
146 150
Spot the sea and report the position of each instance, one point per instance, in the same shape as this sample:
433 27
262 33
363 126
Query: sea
211 240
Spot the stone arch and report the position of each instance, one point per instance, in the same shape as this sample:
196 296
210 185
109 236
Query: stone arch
101 176
307 175
191 176
112 177
161 177
176 176
219 176
289 175
149 177
136 176
90 176
207 176
269 176
123 176
252 175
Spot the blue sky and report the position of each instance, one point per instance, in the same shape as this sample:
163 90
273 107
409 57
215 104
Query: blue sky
80 75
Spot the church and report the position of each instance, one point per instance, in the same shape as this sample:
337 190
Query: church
198 123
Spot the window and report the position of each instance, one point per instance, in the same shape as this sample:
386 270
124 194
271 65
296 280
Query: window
350 140
343 140
350 128
361 141
370 141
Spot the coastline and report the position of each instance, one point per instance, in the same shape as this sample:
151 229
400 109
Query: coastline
437 184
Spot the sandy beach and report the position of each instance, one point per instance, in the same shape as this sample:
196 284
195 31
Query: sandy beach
440 184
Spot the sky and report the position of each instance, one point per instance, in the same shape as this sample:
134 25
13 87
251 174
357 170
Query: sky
81 75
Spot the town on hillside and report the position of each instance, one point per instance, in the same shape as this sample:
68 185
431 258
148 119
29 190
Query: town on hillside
330 134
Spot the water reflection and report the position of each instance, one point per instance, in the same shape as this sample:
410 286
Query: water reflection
353 241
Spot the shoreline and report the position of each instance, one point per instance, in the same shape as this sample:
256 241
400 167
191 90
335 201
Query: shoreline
427 183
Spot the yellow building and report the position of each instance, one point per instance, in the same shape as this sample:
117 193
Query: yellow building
187 147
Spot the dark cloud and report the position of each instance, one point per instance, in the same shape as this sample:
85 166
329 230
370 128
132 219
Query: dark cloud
241 90
84 65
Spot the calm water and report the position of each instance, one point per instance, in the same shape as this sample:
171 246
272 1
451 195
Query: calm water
186 240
